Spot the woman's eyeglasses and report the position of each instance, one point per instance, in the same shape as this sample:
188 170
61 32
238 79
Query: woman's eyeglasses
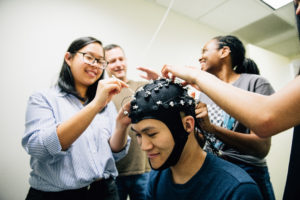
91 60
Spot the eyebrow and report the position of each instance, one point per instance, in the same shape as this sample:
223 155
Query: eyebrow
92 53
143 130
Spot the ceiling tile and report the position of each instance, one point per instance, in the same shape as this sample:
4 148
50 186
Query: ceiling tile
265 28
287 13
289 47
277 38
235 14
251 20
192 8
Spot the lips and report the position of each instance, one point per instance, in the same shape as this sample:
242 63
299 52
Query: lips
91 73
152 155
119 71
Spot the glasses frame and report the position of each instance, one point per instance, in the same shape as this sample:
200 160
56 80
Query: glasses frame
101 64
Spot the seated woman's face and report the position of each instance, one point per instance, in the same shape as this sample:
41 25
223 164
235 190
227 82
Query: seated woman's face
155 138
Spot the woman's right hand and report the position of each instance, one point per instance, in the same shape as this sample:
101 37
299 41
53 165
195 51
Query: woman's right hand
150 74
187 73
106 89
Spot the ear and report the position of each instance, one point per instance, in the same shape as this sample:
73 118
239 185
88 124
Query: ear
225 52
188 123
68 58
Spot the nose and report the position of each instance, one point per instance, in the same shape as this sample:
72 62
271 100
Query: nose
119 63
145 144
95 66
201 59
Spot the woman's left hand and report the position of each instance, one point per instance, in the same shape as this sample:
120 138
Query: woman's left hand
202 116
122 119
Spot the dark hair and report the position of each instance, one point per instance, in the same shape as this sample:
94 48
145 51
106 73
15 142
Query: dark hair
240 64
249 66
297 20
112 46
66 79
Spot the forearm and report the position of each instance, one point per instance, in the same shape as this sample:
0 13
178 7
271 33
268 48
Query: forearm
255 111
265 115
118 139
249 144
71 129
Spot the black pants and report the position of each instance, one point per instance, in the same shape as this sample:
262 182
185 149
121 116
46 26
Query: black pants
100 190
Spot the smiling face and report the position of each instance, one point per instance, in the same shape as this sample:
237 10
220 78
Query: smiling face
117 63
85 74
155 138
210 59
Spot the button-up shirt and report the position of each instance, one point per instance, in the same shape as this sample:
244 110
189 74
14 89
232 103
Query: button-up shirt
89 157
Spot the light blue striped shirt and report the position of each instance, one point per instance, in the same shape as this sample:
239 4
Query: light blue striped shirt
88 158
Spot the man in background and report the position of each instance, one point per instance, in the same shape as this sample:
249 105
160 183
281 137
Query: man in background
134 167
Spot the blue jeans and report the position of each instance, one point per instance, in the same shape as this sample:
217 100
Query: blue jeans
133 185
261 176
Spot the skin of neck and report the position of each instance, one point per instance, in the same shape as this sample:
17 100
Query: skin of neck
81 90
226 72
190 162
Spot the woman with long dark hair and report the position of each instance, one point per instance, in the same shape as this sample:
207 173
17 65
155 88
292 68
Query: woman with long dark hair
224 57
265 115
73 133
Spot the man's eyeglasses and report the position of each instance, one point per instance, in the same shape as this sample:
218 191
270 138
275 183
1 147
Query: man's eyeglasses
91 60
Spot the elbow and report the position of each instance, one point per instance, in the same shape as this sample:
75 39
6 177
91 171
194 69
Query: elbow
264 152
262 149
264 127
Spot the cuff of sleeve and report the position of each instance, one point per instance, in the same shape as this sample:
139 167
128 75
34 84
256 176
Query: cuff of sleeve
51 141
119 155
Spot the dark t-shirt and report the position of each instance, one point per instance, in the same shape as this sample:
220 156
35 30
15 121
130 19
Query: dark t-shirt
217 179
292 190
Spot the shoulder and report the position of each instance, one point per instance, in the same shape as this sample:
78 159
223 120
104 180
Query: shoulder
254 83
246 192
136 84
233 180
47 94
253 78
228 171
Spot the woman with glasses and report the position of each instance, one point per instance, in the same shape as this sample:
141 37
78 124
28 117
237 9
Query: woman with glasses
73 132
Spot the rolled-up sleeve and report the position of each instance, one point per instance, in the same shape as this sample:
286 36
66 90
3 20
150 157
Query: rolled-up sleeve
112 112
119 155
40 139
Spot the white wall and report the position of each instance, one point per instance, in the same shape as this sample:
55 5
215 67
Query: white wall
34 34
276 69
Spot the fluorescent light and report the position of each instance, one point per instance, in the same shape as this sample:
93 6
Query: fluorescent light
275 4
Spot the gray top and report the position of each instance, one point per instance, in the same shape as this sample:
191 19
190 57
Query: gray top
249 82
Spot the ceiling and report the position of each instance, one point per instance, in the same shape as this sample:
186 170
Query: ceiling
251 20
